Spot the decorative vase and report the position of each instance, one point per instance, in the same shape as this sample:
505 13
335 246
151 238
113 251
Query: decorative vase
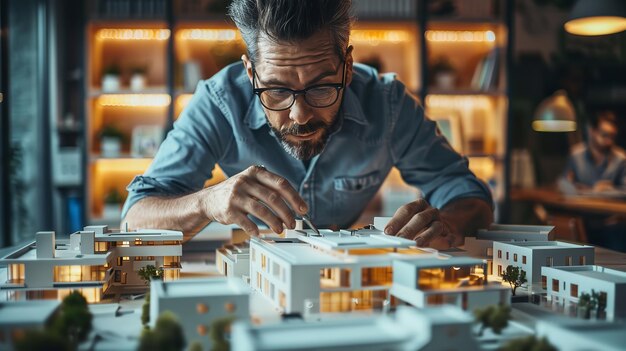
137 82
110 82
110 147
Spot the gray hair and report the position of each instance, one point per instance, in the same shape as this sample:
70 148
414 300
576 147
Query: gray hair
291 21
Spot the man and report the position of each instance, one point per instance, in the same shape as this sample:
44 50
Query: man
600 166
326 132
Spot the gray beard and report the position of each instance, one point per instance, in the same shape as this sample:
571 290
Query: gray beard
305 150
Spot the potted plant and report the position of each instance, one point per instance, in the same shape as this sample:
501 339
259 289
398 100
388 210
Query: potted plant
138 78
112 204
111 141
443 72
111 78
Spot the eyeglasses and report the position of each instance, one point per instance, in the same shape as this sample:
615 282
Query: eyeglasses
318 96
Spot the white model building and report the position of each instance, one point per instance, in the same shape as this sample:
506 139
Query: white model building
532 255
581 335
440 328
17 317
459 281
334 272
481 245
95 261
233 260
198 302
567 283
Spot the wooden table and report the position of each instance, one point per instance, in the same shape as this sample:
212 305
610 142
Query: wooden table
579 204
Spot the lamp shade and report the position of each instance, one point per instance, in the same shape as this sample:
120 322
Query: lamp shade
597 17
555 114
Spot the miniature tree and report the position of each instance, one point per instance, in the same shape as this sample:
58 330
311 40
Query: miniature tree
515 276
145 311
74 319
597 303
167 335
41 340
495 317
195 346
150 272
219 328
528 343
584 305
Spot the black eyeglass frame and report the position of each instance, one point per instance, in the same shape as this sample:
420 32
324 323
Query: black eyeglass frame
295 93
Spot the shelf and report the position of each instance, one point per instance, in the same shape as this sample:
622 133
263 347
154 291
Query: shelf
146 91
465 20
122 157
466 92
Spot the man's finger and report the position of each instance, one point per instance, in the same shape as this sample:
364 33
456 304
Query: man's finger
246 224
403 215
436 229
263 213
282 186
273 200
419 222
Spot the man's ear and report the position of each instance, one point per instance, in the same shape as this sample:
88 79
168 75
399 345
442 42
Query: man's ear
349 63
247 63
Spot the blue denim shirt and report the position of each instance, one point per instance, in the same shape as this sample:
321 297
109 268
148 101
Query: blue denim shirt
585 170
382 126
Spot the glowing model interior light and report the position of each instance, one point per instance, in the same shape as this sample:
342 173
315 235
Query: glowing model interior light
132 34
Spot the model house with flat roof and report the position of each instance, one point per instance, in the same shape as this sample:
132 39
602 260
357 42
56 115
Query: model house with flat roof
579 335
531 256
567 283
199 302
481 245
17 317
96 261
335 271
408 329
233 260
459 281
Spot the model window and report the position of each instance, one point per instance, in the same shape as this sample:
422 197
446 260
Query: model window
544 282
507 255
202 308
514 257
202 329
568 261
548 261
573 288
119 261
489 252
499 269
524 259
582 260
555 285
499 253
230 307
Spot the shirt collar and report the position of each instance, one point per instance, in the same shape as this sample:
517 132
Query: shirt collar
255 116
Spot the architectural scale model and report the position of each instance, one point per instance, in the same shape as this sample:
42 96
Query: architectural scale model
576 335
458 281
233 260
96 261
531 256
568 283
408 329
481 245
200 302
17 317
336 271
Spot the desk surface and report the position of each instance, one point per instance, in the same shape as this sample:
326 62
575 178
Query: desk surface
555 199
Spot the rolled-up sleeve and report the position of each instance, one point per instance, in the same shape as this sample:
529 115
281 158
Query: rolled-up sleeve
186 158
425 158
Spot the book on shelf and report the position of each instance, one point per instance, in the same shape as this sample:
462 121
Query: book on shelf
487 72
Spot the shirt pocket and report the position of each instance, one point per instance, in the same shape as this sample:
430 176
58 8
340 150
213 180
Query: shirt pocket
351 194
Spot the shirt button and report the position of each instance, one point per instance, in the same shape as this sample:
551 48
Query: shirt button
305 185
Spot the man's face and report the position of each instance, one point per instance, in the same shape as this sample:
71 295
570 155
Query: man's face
302 129
604 136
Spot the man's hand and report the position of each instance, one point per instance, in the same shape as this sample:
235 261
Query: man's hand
257 192
421 222
440 229
603 185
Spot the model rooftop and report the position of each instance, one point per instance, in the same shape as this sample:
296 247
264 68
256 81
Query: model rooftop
346 239
443 261
200 287
595 272
515 232
20 313
552 245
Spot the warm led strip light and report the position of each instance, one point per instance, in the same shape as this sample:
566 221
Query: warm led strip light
133 34
460 36
458 102
147 100
208 34
394 36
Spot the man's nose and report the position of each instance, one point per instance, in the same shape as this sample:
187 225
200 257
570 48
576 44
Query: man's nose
300 112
